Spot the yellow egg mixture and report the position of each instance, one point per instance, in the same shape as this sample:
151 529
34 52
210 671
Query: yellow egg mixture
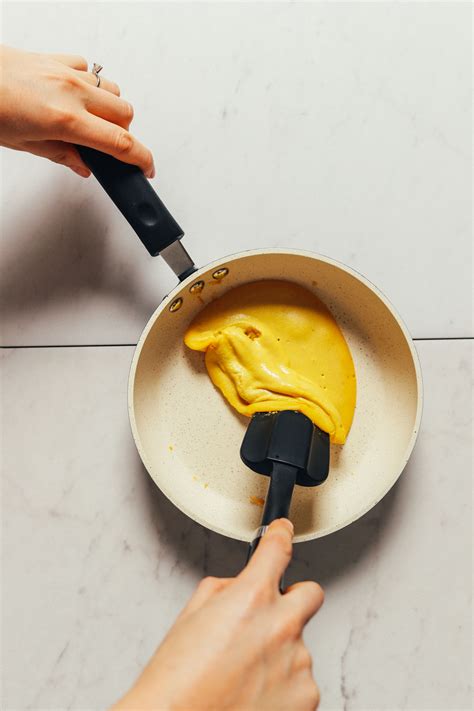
272 346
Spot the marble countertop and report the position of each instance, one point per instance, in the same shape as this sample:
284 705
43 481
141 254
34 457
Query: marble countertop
343 128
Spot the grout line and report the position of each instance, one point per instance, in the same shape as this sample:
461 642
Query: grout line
133 345
446 338
74 345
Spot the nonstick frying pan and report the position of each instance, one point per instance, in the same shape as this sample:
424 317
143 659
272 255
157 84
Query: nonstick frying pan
189 438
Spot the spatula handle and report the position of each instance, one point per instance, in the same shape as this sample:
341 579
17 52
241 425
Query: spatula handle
280 491
278 501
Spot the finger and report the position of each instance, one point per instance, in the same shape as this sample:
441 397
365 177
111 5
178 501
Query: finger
59 152
109 107
106 84
207 588
71 60
307 689
304 600
273 554
95 132
302 659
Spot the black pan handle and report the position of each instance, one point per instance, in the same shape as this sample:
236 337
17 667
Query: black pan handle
129 189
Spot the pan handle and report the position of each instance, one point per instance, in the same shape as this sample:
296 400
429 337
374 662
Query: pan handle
134 196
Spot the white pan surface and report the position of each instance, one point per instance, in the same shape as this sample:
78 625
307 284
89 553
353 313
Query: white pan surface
189 438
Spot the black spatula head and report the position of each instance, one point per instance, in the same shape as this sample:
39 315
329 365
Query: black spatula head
290 449
288 437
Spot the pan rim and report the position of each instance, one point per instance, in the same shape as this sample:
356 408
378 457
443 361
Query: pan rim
317 257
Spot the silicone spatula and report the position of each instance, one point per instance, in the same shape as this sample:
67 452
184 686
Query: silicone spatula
290 449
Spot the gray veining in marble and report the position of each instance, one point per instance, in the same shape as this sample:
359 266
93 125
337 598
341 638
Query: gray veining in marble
343 128
96 562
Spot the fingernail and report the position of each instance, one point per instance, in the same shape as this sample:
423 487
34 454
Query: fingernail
80 171
288 525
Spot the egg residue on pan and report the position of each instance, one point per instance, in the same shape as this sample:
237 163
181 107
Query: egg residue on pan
273 345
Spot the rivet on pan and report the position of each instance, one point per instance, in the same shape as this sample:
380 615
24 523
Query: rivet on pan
220 273
176 305
197 287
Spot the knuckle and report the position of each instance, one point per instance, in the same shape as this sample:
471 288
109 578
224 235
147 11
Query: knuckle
55 77
82 61
114 88
208 584
62 118
312 592
149 161
318 589
69 80
288 629
318 593
123 142
303 659
129 112
313 695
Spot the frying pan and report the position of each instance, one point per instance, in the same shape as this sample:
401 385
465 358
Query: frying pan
187 435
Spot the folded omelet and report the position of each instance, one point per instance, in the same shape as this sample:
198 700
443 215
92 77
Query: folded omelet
272 346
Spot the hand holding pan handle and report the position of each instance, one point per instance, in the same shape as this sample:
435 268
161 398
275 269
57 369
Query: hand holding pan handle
134 196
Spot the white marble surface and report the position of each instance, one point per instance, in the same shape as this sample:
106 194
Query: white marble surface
96 563
343 128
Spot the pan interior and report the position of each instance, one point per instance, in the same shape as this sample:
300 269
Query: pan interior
189 437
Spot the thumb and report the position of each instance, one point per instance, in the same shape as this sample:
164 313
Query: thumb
273 554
